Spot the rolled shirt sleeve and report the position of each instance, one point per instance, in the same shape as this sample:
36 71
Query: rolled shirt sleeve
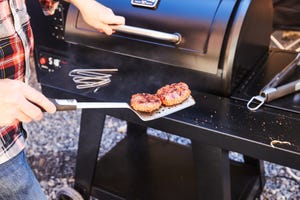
49 6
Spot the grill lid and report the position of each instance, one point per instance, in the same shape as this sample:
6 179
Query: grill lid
200 25
192 20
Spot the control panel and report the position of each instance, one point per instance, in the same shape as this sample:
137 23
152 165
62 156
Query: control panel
50 62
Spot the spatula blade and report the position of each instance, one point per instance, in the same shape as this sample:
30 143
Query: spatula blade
164 110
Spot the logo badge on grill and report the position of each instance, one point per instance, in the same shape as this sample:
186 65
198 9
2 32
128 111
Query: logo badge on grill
145 3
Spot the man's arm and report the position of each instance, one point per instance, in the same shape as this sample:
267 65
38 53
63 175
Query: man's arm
95 14
98 16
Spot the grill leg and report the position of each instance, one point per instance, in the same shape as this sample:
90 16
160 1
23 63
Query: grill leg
213 172
136 131
91 127
138 164
259 165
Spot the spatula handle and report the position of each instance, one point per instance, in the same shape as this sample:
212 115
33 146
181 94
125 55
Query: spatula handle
64 104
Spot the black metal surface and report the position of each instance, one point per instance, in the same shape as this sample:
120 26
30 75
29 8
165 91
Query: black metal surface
229 125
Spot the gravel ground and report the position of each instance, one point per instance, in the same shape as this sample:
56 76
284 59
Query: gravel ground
52 146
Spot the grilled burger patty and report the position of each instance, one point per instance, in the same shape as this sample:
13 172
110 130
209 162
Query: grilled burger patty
174 93
145 102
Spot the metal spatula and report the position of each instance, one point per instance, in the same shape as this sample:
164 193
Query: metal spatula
72 104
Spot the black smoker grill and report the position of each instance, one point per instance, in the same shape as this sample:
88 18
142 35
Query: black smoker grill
220 48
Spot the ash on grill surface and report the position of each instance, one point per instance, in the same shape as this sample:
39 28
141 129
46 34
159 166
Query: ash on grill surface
52 147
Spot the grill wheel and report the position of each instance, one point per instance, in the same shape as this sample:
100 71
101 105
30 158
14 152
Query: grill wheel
68 193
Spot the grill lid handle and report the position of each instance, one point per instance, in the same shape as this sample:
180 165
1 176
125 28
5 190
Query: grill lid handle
169 37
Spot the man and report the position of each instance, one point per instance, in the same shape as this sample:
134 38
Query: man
20 102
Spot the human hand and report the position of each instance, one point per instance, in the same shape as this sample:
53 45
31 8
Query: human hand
21 103
98 16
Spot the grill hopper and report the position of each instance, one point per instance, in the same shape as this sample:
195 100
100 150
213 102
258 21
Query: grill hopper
220 40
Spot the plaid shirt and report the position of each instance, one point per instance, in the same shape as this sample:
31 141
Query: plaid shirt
16 44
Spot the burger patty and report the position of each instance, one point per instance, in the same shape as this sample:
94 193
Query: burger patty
174 93
145 102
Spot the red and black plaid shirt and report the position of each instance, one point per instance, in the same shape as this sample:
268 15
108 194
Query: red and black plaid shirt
16 44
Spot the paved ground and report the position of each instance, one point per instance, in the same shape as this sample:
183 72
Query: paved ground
52 146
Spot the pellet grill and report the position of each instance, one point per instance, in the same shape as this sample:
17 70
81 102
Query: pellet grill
220 48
